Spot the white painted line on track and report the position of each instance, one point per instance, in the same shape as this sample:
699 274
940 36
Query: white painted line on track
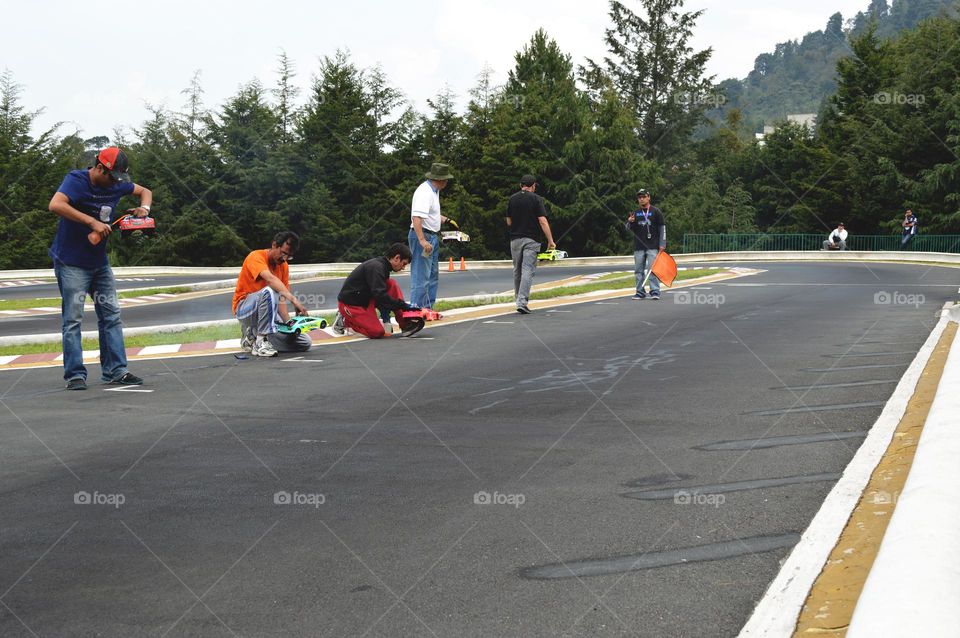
127 388
492 321
164 349
5 360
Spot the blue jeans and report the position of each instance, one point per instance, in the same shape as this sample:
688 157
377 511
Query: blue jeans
642 262
905 242
424 270
75 284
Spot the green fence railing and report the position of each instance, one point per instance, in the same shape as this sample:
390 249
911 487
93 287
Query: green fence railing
703 243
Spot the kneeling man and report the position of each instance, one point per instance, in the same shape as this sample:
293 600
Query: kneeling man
369 288
260 300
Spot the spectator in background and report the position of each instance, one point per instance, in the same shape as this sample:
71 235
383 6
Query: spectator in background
910 223
837 239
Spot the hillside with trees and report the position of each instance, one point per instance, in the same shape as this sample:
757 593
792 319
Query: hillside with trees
799 75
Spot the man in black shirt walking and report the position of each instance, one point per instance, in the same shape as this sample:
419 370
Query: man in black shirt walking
526 217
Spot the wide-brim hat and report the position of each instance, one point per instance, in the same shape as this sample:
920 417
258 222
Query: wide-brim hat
439 172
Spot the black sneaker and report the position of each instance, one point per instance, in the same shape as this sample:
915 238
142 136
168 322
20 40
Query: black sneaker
523 310
127 379
639 296
655 296
77 383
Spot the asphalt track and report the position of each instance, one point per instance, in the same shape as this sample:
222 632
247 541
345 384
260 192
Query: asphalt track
593 430
315 294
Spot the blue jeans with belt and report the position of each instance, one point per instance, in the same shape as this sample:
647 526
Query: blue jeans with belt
424 270
75 284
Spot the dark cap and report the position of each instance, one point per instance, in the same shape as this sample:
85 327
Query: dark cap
643 192
528 180
116 163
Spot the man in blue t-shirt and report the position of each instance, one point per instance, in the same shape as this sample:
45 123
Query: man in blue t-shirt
86 203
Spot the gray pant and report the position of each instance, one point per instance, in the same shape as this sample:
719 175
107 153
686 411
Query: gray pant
642 262
524 252
257 314
827 244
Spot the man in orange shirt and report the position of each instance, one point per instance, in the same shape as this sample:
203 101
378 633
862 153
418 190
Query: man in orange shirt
260 300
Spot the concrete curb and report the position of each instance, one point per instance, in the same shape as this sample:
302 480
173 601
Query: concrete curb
775 616
914 584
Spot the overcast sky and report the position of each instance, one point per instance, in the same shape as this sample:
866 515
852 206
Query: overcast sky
94 65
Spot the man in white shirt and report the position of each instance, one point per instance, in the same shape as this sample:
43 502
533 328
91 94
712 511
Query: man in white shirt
837 239
424 237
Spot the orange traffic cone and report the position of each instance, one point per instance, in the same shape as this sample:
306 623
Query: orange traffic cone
450 265
463 264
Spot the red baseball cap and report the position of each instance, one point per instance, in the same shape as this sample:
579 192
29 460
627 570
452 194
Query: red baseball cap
115 162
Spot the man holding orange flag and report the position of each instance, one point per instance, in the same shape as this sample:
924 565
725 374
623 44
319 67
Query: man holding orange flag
649 240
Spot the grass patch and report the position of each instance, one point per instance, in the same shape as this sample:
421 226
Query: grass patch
232 331
614 281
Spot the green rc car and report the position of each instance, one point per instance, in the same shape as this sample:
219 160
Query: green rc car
552 255
299 324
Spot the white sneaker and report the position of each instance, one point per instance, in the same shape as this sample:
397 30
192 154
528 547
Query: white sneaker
263 348
338 326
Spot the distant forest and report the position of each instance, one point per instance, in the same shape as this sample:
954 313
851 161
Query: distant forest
798 76
339 164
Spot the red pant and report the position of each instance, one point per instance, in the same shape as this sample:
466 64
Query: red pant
366 320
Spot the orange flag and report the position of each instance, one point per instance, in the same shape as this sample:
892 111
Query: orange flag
665 268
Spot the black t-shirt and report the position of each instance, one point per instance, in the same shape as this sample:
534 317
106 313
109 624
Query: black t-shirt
523 209
649 231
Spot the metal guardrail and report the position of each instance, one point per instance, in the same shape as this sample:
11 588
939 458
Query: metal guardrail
711 243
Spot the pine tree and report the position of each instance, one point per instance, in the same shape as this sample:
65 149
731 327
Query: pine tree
656 72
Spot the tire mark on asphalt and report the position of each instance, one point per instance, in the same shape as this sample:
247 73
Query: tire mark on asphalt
817 408
777 441
736 486
652 560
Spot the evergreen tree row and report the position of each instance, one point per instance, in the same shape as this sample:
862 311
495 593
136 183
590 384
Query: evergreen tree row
339 164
